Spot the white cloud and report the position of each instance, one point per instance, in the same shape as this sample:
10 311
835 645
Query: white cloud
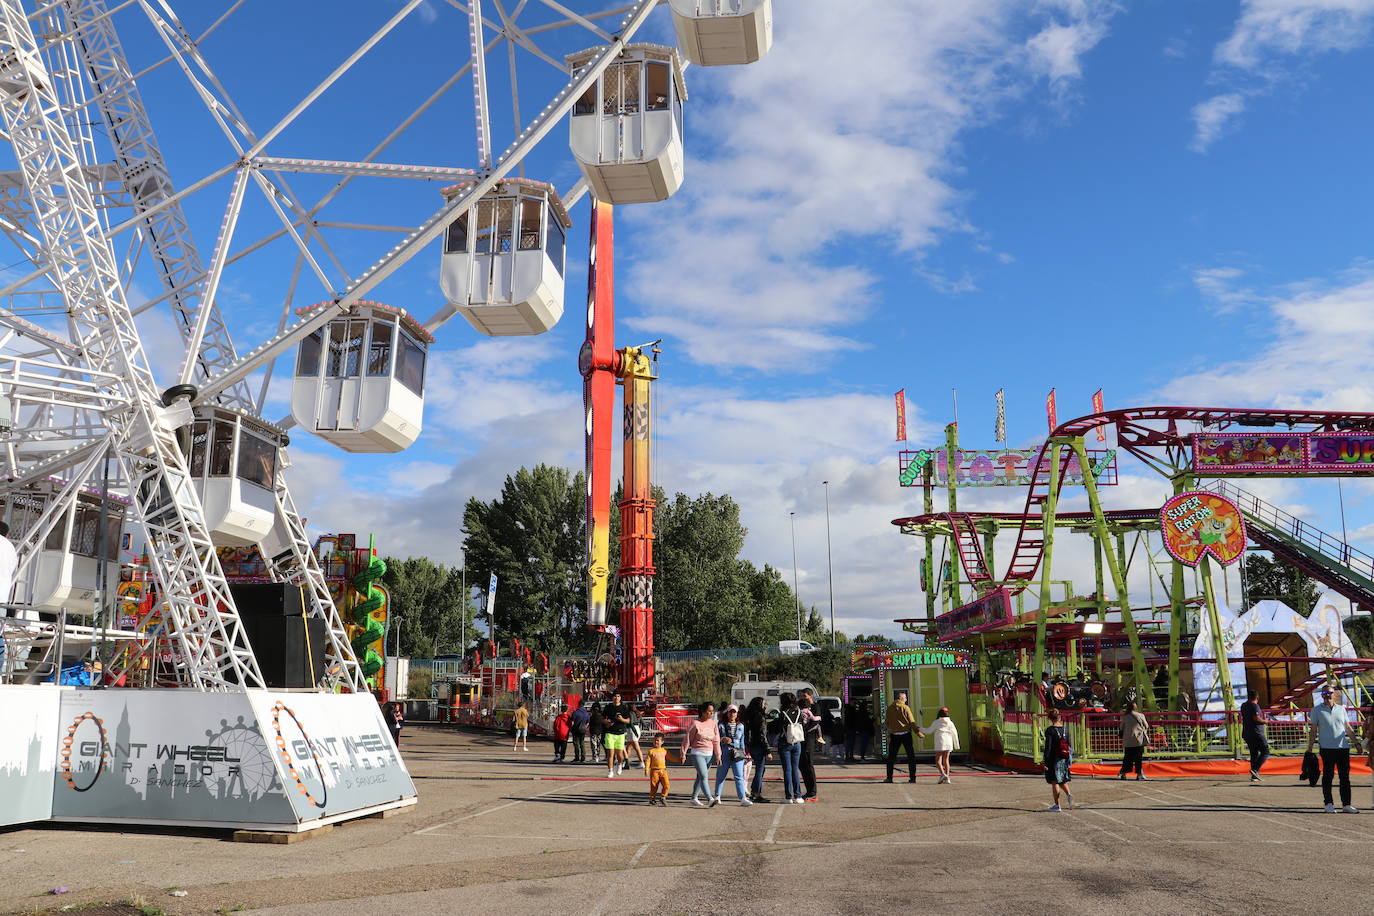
833 151
1211 118
1318 357
1267 27
1266 40
1219 285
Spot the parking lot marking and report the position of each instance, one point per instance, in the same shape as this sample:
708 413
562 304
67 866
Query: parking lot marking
773 829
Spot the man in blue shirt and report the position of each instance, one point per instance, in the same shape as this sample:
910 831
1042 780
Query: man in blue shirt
1331 730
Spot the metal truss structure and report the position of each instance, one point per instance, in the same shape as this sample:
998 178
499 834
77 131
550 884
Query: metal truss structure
90 209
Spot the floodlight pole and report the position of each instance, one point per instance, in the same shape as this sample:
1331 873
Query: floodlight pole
829 567
796 592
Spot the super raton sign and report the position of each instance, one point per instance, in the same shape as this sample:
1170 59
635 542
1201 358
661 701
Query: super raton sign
1198 523
1000 467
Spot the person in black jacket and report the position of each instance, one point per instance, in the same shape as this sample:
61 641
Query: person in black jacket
756 740
594 729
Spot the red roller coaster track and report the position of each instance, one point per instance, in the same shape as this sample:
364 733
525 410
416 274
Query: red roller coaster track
1137 438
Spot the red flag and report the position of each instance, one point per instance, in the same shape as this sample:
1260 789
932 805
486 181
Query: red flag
1099 408
1051 411
900 397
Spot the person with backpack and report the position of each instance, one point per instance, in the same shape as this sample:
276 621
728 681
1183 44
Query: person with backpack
900 724
1135 735
595 727
578 730
791 737
1056 758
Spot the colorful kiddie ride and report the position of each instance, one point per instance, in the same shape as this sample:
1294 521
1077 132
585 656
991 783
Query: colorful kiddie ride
1035 641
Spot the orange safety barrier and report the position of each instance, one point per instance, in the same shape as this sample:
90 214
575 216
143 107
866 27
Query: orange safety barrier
1165 769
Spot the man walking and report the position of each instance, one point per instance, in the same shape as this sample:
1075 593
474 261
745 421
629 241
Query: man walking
578 730
1331 730
616 716
1252 732
900 724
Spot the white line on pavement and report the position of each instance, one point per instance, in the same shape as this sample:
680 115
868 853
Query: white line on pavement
1289 823
773 830
427 830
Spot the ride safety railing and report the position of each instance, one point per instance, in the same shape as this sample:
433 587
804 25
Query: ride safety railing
1096 734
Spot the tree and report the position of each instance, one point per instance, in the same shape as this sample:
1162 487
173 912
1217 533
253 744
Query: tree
531 536
427 599
1266 577
873 640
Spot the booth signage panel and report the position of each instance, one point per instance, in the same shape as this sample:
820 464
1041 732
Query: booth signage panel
257 759
869 658
1002 467
1283 454
1197 523
991 610
332 752
28 747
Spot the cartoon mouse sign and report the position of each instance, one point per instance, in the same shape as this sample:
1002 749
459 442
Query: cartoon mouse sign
1195 524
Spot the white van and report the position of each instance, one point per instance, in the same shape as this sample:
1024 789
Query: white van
744 691
795 647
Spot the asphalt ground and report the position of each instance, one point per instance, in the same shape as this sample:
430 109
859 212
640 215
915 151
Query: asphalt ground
499 831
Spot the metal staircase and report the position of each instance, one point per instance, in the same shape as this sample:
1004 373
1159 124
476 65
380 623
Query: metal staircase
1344 569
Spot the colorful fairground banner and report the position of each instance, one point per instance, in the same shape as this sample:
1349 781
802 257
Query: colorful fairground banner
998 467
1198 523
1283 454
869 658
988 612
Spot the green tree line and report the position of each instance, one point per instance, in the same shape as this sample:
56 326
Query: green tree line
532 536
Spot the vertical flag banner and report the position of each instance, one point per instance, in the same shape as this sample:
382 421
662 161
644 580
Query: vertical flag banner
1000 433
1099 408
491 599
900 397
1051 410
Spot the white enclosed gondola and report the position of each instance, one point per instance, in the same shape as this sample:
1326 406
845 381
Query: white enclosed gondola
360 379
65 574
626 130
718 33
503 259
233 462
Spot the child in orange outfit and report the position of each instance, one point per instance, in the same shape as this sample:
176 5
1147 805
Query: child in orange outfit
656 767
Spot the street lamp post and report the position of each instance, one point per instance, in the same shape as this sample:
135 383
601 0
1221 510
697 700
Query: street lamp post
829 568
796 592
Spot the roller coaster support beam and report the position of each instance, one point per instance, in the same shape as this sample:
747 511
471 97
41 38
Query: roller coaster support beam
928 473
1047 511
1219 645
1115 565
956 567
1176 616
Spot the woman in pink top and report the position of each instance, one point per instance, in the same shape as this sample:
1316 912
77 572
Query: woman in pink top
701 746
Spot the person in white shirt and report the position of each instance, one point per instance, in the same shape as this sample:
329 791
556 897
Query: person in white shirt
1330 730
9 561
946 740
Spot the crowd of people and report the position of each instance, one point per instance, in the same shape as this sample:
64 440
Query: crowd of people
738 745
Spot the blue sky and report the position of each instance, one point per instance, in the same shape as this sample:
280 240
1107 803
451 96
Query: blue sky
1168 200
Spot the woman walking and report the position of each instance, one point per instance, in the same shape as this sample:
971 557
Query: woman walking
1057 757
946 740
632 734
756 741
701 748
1135 734
595 727
732 755
791 737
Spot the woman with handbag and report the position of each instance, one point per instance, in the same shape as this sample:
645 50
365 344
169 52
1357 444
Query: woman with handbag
732 755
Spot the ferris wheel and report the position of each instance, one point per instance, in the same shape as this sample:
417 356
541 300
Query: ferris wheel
101 438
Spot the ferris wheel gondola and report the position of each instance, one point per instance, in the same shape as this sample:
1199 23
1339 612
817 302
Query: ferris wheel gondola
715 33
626 131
